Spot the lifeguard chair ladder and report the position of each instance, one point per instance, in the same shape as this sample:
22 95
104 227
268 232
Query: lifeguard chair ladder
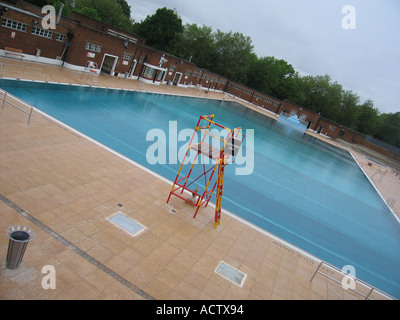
220 157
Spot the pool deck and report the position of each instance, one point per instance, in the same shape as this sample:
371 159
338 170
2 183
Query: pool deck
65 186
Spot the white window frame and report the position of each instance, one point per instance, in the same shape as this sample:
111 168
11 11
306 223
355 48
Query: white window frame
60 37
42 33
127 56
93 47
148 72
13 24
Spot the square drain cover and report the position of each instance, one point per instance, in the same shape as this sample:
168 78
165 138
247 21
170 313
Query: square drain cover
230 273
127 224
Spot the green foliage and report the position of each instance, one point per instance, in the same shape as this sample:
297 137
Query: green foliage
89 12
389 129
126 8
107 11
272 76
349 110
160 29
368 119
232 55
67 9
195 44
226 53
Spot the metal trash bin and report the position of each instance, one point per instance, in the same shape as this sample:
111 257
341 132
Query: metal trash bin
19 238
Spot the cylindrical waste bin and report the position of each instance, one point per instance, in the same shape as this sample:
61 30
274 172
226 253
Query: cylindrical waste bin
19 238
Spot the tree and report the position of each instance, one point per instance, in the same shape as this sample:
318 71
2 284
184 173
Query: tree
368 118
195 44
389 129
228 54
89 12
272 76
160 29
319 94
108 11
67 9
257 78
126 8
349 110
302 87
233 55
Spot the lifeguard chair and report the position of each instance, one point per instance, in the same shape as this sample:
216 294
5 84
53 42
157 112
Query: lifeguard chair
221 151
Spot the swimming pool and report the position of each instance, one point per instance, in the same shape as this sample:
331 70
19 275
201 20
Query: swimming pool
302 190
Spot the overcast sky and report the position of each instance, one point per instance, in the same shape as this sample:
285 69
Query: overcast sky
309 35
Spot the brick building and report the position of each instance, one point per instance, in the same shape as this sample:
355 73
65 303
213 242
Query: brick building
21 28
249 95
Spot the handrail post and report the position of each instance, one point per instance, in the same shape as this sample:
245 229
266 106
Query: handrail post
4 100
30 115
369 293
316 271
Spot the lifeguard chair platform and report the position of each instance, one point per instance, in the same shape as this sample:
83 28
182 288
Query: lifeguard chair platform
222 151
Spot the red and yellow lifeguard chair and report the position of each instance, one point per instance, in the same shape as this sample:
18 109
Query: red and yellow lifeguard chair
221 151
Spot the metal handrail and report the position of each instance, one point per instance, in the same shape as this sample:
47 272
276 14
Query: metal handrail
24 67
371 288
4 99
85 76
391 202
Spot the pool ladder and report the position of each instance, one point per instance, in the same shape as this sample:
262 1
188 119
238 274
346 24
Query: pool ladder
95 79
92 68
390 204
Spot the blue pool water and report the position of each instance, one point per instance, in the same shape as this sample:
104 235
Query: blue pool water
302 190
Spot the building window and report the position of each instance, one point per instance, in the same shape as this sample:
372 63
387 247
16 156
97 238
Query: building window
8 23
42 32
127 56
303 117
60 37
148 73
93 47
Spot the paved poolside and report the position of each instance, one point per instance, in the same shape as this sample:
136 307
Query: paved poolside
65 187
